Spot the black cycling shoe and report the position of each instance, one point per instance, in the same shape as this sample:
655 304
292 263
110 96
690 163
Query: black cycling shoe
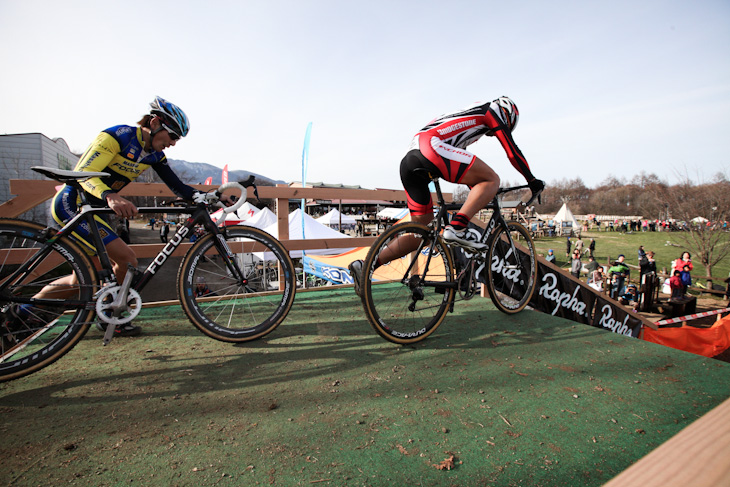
355 268
125 330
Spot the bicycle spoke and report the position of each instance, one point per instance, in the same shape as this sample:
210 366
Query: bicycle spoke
232 309
512 269
45 296
399 303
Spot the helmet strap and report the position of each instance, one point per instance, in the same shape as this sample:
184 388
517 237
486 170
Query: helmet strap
154 132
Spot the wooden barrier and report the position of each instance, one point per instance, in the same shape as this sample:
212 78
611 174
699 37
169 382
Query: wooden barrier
31 193
697 456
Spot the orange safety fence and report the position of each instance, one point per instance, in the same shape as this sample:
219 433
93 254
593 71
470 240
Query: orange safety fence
708 342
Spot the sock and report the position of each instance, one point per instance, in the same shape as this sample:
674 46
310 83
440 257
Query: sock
459 222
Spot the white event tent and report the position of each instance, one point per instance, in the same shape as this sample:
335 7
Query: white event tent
565 221
262 219
312 230
333 218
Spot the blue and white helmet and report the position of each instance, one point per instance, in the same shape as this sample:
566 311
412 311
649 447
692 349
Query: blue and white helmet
174 118
507 111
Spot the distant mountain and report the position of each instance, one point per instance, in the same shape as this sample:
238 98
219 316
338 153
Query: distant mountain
198 172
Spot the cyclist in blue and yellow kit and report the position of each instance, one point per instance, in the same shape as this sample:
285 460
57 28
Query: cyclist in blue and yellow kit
124 152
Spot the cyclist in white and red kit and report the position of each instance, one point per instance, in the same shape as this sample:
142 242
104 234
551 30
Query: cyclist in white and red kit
440 148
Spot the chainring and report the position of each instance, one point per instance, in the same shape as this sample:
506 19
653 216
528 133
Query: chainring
105 300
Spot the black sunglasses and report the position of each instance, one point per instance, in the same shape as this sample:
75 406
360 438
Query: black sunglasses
173 135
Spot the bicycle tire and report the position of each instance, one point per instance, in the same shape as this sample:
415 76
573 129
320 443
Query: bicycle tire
238 311
33 337
397 307
511 279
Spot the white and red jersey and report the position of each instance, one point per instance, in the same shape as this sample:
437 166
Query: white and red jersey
448 135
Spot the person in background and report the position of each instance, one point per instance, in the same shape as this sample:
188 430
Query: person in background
675 284
648 264
685 259
576 264
596 279
630 297
201 288
686 278
568 246
618 273
550 257
592 246
579 245
164 231
591 266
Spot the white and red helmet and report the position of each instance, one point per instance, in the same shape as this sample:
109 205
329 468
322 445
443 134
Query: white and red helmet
507 111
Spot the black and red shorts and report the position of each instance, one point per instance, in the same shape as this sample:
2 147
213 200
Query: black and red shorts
442 160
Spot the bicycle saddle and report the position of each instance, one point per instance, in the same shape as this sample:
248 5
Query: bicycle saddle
64 176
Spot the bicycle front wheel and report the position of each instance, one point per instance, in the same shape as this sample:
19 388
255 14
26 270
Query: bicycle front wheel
406 299
34 335
512 269
239 291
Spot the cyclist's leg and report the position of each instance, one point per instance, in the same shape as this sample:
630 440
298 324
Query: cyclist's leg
484 184
403 245
64 207
420 205
121 256
462 167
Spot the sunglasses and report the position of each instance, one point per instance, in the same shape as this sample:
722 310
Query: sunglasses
173 135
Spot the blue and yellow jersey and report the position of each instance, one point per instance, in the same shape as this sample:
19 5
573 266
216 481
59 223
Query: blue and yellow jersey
120 152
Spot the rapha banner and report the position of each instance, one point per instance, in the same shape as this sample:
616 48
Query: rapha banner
559 295
616 318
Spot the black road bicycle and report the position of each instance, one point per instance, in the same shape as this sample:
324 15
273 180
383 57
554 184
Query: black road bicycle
249 274
408 298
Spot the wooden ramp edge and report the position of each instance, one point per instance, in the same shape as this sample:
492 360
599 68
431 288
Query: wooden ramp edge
699 456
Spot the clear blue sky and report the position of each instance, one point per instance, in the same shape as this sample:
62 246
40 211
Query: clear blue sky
604 88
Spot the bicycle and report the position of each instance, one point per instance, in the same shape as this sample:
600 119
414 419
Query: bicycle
249 271
408 298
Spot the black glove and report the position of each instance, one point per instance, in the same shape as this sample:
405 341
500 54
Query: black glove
536 185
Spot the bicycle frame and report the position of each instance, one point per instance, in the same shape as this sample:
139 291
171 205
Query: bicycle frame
199 216
441 220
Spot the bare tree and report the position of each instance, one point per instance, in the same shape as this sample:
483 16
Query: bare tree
571 191
702 209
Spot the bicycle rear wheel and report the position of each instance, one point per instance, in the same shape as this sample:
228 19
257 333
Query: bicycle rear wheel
237 308
511 276
402 299
33 336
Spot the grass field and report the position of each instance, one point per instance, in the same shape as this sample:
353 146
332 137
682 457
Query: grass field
611 244
512 400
